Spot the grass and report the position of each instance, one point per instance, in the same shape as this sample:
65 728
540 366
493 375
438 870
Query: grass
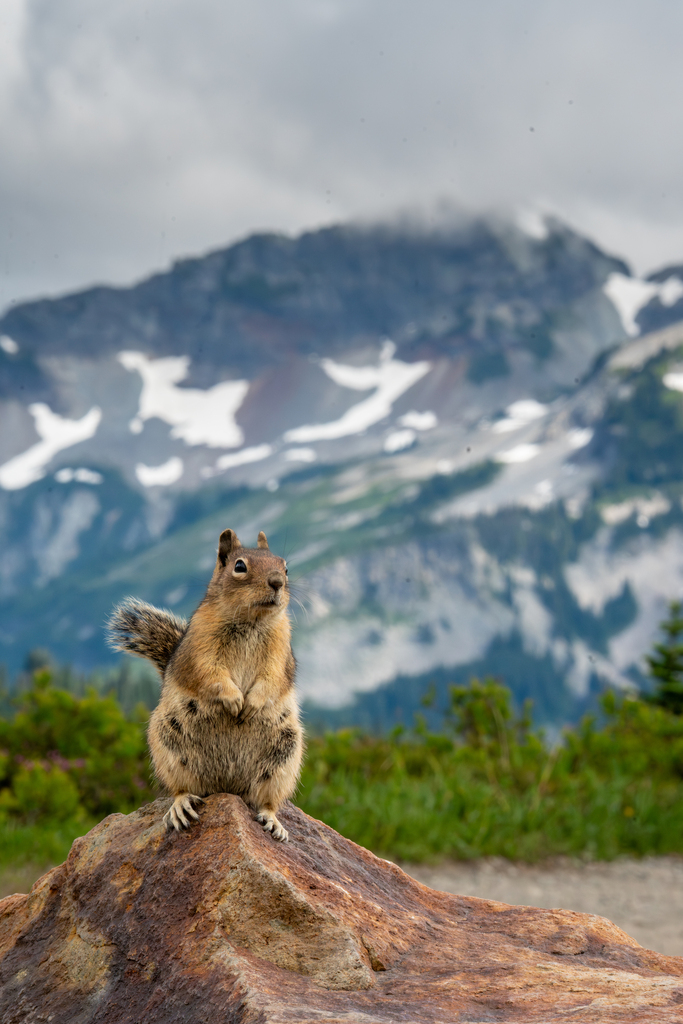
459 815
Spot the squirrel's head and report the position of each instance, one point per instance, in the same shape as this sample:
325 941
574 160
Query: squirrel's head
250 582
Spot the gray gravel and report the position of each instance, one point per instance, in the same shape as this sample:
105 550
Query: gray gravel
644 897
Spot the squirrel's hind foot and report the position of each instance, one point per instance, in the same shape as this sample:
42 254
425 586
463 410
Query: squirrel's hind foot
181 814
270 824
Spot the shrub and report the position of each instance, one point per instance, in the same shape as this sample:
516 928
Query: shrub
493 786
66 762
39 792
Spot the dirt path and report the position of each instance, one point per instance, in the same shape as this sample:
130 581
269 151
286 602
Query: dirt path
644 897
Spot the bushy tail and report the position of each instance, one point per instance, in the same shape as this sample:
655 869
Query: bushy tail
142 629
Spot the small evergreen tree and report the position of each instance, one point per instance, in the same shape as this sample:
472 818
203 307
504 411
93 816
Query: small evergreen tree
666 663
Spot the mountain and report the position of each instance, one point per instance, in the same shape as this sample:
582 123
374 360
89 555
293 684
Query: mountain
466 440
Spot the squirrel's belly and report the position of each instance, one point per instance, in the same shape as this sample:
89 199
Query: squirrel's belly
222 754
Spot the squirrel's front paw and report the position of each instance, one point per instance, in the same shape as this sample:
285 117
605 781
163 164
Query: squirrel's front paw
229 695
256 703
233 704
250 710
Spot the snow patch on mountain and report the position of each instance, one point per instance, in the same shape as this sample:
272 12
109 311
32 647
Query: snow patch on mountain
671 291
56 433
579 437
674 381
630 294
81 475
300 455
645 508
391 378
520 453
241 458
519 414
399 440
419 420
160 476
535 621
8 345
197 416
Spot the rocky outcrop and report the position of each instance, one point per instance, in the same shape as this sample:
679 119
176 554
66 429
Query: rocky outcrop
223 925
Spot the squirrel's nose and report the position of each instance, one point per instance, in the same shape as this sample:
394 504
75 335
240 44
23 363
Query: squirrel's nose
276 581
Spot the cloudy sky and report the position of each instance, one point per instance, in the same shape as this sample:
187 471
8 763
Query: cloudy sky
143 130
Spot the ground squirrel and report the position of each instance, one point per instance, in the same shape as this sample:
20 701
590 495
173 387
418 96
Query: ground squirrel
227 720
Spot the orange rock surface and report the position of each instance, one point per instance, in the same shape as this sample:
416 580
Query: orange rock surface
224 925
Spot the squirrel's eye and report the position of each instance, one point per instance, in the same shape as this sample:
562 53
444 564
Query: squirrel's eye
240 566
286 571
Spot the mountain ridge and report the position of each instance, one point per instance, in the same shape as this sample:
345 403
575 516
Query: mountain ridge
386 422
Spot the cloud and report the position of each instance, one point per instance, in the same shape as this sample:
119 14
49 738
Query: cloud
140 132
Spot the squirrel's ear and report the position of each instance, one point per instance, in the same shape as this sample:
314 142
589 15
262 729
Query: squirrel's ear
262 540
227 543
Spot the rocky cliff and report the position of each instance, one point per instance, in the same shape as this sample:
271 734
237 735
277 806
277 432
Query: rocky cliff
222 924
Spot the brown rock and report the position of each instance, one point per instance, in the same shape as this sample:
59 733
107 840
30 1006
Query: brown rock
224 925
